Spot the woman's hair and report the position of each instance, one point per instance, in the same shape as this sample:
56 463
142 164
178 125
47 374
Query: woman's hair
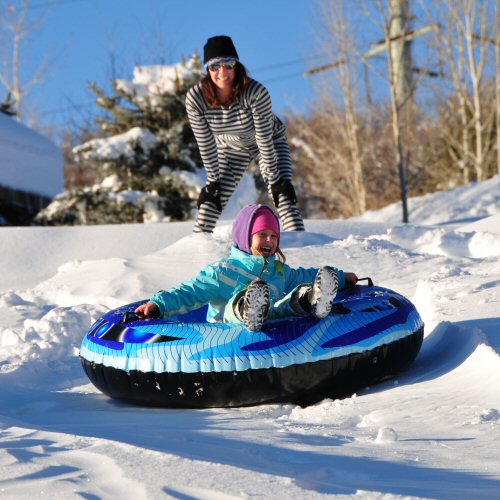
208 87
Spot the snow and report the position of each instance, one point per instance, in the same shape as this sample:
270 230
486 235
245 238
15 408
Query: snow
118 146
457 206
28 161
149 83
433 432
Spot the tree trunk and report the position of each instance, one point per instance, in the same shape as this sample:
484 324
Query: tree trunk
475 73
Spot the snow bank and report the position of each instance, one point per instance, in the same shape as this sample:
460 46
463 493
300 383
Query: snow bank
458 206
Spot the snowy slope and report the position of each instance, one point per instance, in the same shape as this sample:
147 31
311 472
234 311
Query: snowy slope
457 206
28 161
432 433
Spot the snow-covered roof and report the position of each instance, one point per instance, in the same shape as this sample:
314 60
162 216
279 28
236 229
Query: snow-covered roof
28 161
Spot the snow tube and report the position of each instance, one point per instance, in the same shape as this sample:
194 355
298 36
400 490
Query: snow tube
373 333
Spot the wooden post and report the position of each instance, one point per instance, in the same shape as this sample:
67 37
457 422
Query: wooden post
400 48
400 84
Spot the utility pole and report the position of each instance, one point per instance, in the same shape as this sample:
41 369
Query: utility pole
400 81
400 48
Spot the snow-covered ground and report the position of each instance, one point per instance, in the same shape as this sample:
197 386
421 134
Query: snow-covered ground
434 432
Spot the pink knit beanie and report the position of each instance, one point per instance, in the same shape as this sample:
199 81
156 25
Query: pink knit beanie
265 219
251 219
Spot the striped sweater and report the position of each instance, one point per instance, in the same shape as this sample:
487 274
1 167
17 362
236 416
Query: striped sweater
247 124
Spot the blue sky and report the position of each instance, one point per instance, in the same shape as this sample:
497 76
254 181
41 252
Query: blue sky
275 40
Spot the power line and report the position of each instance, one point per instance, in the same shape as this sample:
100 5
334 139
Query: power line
289 63
285 77
285 64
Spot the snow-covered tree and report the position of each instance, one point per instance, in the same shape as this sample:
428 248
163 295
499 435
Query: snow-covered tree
147 162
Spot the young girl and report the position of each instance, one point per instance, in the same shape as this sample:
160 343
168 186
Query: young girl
252 285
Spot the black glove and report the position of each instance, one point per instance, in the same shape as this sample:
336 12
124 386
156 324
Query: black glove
211 193
284 187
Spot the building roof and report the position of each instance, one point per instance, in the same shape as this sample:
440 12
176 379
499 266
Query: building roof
29 162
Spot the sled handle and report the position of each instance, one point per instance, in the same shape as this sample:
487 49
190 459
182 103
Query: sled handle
368 279
128 317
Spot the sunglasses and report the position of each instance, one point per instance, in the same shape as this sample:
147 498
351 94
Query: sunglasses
217 66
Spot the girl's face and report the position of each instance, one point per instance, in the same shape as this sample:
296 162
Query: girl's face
264 243
222 74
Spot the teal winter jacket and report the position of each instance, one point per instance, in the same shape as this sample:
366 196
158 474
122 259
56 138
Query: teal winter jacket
217 283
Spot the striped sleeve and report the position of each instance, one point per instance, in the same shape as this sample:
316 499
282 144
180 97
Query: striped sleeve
260 104
204 136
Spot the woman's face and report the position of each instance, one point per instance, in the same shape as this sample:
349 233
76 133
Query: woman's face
264 243
222 74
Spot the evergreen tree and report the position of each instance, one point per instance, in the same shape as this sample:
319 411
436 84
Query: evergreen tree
147 161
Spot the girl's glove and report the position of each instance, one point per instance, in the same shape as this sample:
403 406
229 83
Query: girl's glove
284 187
211 193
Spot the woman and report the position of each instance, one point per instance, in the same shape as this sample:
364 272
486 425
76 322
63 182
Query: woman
233 122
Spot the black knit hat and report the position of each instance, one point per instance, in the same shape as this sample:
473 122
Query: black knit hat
219 47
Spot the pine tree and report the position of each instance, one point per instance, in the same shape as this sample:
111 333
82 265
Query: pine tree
146 156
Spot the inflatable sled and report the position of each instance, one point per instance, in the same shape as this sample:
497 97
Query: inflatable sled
372 334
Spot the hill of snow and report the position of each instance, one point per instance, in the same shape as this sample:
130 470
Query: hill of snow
434 432
457 206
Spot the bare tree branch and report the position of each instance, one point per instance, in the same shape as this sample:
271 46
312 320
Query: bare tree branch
16 27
